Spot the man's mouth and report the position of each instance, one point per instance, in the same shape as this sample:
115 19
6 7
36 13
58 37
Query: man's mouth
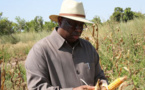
76 36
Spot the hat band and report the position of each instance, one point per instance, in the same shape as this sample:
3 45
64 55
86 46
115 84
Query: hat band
66 14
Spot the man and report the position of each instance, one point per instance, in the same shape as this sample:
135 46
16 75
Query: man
63 60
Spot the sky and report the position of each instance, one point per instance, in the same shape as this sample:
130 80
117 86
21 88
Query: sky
29 9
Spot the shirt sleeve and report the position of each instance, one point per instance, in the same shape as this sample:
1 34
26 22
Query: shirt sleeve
37 71
99 72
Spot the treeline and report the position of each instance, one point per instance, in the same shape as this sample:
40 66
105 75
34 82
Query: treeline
38 24
125 15
35 25
120 15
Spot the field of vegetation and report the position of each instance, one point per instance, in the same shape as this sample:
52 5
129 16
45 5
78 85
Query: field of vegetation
121 47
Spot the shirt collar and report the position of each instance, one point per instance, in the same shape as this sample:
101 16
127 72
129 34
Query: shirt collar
57 40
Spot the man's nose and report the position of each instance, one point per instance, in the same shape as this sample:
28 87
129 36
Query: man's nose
78 32
78 29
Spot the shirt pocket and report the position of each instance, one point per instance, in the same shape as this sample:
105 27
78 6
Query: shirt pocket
87 72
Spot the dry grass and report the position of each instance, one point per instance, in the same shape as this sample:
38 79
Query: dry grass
121 47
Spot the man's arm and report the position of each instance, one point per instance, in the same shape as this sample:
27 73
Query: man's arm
99 72
37 71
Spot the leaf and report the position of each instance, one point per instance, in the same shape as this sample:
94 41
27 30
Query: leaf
126 69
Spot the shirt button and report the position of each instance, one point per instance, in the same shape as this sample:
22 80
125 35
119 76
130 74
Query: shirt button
78 72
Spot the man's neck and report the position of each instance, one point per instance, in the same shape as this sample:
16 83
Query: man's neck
73 44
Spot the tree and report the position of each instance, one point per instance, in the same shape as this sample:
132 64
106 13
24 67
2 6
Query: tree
117 15
6 26
97 20
38 23
50 25
125 15
28 26
139 15
1 15
128 14
20 24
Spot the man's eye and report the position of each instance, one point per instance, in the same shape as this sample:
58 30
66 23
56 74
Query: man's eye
72 24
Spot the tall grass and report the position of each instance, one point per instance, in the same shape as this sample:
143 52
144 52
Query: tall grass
22 37
121 47
13 51
122 52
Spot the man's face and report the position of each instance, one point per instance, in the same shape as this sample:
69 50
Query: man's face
74 29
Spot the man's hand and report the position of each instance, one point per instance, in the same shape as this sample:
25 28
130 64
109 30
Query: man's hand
84 87
103 88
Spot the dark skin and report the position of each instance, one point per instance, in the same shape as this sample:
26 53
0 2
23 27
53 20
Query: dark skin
71 34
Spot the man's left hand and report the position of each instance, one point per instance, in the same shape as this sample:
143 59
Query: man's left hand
103 88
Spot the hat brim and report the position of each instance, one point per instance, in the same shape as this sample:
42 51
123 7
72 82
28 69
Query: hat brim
55 18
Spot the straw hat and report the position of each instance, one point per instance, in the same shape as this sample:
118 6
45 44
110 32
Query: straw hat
72 10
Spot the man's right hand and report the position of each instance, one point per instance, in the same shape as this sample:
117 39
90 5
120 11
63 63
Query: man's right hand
84 87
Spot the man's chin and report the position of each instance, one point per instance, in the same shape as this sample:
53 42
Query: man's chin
72 41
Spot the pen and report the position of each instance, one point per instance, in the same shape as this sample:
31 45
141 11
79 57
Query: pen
83 81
